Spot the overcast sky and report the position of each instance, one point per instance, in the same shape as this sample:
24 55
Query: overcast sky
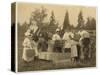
24 11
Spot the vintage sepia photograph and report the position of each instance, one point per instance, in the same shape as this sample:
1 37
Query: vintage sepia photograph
51 36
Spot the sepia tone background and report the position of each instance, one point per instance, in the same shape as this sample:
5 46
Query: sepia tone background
5 47
24 11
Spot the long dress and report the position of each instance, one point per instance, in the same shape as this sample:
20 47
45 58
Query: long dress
28 52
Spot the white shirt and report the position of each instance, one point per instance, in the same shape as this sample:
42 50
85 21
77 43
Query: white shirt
67 39
27 43
56 37
84 34
67 35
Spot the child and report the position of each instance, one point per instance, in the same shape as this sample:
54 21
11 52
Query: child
74 52
28 52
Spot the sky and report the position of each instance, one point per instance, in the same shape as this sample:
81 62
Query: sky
24 11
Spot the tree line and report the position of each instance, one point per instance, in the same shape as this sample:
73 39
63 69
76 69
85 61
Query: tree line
39 16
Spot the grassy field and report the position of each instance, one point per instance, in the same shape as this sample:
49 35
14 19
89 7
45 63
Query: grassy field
49 65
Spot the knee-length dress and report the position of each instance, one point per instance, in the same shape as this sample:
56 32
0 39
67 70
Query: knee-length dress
74 51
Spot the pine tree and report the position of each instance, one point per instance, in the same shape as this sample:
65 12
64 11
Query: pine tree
52 24
91 23
52 18
80 20
66 24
